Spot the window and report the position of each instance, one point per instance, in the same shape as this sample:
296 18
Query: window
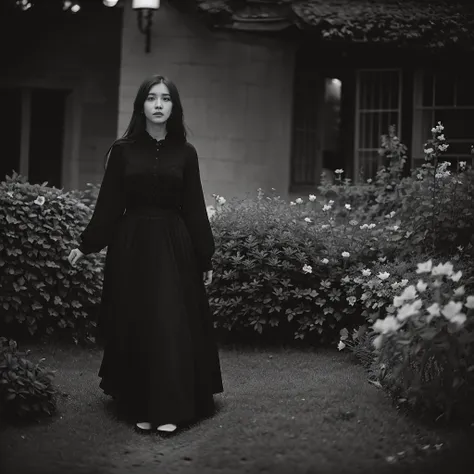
447 97
316 142
378 105
34 133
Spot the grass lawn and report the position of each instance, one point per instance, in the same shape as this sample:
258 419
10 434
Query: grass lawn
283 411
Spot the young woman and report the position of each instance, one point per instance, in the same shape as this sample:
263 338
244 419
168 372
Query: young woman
160 359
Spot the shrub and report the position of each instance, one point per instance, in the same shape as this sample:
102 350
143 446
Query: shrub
41 293
268 272
26 389
426 343
87 196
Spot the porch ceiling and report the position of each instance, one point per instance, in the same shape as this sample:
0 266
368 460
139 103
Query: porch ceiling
428 23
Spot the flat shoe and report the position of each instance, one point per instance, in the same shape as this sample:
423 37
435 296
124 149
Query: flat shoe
143 427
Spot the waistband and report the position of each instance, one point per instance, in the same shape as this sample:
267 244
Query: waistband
152 211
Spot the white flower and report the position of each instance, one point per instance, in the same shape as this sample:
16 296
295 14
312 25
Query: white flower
299 201
346 254
371 226
434 310
409 293
40 200
443 269
395 285
387 325
421 286
341 345
346 279
307 219
395 227
452 312
456 276
384 275
308 269
428 151
408 310
419 176
462 165
326 207
339 171
10 194
292 203
378 341
312 197
441 137
325 261
424 267
404 282
331 202
369 180
365 226
324 226
353 222
459 291
221 200
347 206
470 302
211 210
366 272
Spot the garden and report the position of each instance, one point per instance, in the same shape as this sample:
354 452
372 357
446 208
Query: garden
345 321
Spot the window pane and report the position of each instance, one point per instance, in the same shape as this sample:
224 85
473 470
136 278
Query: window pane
428 79
465 89
373 125
458 123
379 90
369 162
444 88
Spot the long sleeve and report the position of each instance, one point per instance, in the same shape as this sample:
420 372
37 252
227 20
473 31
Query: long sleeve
195 213
109 207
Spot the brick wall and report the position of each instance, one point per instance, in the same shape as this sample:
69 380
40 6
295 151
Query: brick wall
236 91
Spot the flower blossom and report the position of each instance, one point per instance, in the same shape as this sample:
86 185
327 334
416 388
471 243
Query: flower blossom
40 200
387 325
307 269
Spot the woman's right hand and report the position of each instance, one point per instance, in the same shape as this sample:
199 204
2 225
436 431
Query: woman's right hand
75 256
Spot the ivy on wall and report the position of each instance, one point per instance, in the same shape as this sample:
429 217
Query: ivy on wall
430 23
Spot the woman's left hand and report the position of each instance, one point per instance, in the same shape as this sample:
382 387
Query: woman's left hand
207 277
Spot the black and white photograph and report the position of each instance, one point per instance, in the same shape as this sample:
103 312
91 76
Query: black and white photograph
236 236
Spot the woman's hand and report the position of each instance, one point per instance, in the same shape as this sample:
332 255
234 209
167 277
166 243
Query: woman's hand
207 277
75 256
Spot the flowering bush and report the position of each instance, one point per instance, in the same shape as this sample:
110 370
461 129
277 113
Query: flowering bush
269 276
425 342
41 293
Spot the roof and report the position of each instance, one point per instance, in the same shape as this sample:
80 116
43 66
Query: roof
431 23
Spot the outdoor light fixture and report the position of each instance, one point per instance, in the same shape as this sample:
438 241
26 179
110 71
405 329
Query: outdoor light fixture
145 10
110 3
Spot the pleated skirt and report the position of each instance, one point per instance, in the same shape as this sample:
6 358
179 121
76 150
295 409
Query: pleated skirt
160 357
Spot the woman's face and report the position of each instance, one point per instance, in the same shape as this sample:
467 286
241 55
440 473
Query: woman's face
158 105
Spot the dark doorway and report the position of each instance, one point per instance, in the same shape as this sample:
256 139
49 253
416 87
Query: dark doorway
10 132
46 136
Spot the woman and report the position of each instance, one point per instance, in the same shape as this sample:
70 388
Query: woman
160 359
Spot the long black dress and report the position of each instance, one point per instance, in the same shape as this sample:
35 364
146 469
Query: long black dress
160 357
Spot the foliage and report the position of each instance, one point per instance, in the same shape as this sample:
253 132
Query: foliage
26 389
428 346
87 196
432 24
41 293
268 271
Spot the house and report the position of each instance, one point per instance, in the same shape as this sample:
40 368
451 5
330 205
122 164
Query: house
274 91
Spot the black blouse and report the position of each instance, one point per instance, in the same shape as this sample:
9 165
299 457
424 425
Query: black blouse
144 172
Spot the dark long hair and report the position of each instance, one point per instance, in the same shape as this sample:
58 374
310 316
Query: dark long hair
175 127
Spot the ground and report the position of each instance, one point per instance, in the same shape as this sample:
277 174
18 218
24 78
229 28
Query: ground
283 411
